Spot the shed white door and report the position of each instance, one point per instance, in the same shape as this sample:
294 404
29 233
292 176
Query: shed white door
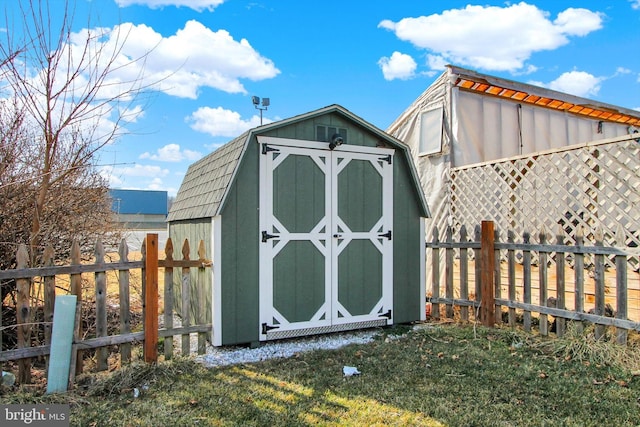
326 237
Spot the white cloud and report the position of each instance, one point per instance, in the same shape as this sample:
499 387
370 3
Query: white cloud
198 5
117 176
172 153
194 57
179 65
131 115
529 69
436 62
577 83
220 122
99 121
493 38
635 4
156 184
398 66
113 180
577 22
135 170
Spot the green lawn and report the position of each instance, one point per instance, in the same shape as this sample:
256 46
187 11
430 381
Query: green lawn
434 375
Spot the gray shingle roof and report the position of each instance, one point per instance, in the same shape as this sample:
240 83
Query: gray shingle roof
206 181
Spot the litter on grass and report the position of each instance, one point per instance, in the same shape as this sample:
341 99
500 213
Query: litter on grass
349 371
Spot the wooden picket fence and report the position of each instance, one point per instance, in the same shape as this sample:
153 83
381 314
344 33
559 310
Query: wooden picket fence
148 269
488 300
482 259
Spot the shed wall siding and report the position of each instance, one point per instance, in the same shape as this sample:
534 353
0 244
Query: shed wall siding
306 130
407 241
240 266
194 231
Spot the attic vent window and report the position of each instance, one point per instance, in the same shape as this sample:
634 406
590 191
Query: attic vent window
431 131
324 133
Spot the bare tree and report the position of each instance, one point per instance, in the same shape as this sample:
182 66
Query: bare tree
67 87
61 100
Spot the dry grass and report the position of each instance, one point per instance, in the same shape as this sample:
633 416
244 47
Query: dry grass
582 346
434 375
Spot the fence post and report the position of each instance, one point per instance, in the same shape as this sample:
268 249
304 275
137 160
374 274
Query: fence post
100 278
599 284
77 364
621 288
23 312
542 277
151 300
561 322
478 272
511 266
435 275
202 298
464 274
186 299
579 276
448 272
526 279
487 260
168 298
498 280
125 302
49 297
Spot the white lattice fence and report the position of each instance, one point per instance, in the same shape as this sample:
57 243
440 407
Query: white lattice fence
593 186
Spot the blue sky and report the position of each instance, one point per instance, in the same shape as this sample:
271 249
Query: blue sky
372 57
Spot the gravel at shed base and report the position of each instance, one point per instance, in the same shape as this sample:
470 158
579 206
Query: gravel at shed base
222 356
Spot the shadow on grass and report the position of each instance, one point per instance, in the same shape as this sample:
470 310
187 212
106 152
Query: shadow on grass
433 376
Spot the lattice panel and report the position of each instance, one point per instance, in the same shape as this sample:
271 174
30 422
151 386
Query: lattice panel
593 186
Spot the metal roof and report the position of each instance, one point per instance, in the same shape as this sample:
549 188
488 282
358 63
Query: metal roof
205 185
149 202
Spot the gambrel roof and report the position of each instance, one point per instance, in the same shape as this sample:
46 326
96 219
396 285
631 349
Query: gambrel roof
203 189
206 182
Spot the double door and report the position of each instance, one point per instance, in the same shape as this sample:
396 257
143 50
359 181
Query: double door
325 237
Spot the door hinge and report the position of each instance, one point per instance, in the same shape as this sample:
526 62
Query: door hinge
386 158
387 235
266 149
387 314
266 328
266 236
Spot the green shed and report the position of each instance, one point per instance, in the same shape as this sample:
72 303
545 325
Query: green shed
315 224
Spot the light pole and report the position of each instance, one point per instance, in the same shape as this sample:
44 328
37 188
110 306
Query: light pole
256 103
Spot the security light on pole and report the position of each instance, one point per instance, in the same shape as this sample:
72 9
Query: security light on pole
256 103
